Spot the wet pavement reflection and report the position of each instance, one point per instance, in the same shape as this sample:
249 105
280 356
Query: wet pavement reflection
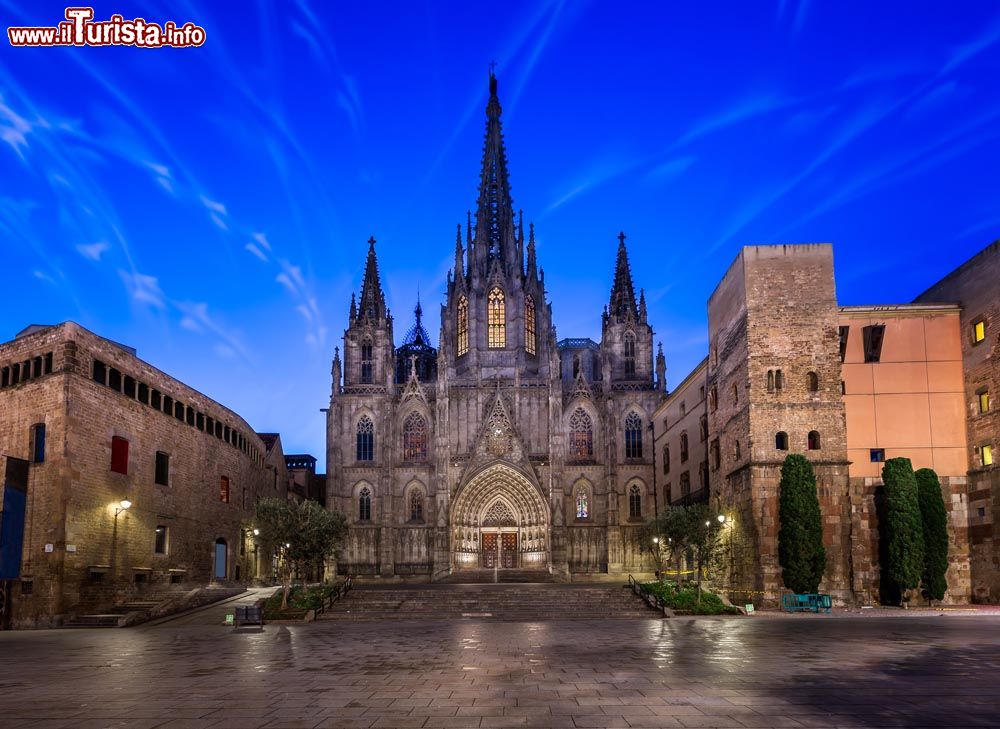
934 671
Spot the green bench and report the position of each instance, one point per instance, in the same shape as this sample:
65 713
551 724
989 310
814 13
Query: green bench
792 602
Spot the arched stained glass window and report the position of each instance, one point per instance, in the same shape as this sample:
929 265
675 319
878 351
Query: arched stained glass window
496 319
463 326
529 324
633 435
581 435
414 437
416 506
365 504
366 439
635 502
582 504
629 354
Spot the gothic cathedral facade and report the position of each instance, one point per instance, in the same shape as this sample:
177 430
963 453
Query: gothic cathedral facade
504 447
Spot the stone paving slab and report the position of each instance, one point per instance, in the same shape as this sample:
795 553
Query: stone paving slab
922 671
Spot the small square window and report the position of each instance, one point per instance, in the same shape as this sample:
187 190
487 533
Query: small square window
27 587
981 511
140 578
176 579
979 331
96 576
986 455
984 402
877 455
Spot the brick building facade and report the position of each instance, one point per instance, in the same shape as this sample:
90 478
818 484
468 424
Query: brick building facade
789 370
96 425
975 286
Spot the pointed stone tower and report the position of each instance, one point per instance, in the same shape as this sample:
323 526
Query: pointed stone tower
626 337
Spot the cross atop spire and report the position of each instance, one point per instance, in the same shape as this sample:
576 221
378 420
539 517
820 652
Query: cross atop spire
372 305
623 305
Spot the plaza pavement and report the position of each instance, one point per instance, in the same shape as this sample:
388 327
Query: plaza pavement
918 671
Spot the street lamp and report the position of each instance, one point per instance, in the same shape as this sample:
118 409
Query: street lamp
123 505
256 532
721 518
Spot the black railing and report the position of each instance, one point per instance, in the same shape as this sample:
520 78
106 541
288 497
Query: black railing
338 593
653 600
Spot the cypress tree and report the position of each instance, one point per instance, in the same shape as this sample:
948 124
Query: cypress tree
905 553
935 527
800 538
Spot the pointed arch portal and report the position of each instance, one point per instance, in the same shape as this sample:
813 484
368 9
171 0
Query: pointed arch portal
499 518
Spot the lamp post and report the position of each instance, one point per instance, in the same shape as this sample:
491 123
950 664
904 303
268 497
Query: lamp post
123 505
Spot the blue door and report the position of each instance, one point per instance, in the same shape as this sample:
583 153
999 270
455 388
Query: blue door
221 559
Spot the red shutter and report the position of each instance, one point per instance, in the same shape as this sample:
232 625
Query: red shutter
119 455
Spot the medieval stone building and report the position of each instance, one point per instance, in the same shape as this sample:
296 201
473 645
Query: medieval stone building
503 447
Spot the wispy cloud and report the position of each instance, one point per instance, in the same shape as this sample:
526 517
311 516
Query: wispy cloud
670 169
964 52
257 252
741 111
932 99
143 289
93 251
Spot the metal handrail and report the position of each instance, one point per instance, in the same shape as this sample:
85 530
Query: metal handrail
336 595
651 599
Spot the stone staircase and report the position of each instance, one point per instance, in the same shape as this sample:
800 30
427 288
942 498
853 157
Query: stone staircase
486 576
510 602
113 617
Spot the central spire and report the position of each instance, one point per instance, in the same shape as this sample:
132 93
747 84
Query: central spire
495 213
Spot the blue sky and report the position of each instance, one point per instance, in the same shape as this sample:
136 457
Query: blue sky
210 206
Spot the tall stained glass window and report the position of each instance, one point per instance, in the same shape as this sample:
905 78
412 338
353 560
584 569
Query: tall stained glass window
496 319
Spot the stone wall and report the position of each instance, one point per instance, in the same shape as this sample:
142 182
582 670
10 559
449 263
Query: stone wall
79 554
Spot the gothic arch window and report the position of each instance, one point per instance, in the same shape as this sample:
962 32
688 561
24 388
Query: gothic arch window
812 381
713 399
633 435
365 504
529 324
414 437
463 326
770 380
685 484
779 380
666 460
634 502
416 506
581 435
366 439
367 362
576 366
812 441
684 447
781 441
582 503
629 354
496 319
703 427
